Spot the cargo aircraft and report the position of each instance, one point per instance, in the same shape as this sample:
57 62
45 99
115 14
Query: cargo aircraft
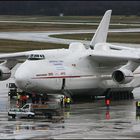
80 69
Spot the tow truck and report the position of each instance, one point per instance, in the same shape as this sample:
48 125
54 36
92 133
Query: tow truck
30 110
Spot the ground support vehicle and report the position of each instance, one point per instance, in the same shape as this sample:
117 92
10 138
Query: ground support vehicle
31 110
12 89
19 112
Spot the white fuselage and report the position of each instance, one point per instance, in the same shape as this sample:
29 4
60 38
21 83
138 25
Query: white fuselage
67 70
93 68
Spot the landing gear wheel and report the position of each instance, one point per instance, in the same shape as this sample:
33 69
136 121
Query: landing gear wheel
30 116
48 115
13 116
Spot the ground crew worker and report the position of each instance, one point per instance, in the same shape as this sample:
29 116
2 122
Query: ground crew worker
107 99
138 104
24 99
18 100
65 101
138 107
68 100
33 98
62 102
107 102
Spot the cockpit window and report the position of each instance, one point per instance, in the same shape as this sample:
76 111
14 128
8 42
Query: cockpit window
36 57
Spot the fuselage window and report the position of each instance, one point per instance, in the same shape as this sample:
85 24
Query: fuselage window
36 57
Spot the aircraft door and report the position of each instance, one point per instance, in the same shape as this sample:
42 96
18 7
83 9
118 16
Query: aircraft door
63 83
59 83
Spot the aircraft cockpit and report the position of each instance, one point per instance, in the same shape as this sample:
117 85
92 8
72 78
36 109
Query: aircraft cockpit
36 57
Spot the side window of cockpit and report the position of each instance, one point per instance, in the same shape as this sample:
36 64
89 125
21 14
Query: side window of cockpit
42 56
36 57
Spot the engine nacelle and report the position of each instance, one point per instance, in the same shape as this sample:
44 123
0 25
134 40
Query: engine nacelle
122 76
5 73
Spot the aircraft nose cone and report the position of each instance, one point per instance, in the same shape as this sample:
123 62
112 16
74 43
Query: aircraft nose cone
22 77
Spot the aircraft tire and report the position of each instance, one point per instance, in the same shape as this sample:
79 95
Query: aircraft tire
13 116
30 116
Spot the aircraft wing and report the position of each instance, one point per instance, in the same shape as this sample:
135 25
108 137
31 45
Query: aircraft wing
117 47
114 56
112 60
19 55
9 60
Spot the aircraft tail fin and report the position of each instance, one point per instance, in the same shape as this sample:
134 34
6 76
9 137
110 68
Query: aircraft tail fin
100 35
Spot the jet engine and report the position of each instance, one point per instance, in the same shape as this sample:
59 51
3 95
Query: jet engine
122 76
5 73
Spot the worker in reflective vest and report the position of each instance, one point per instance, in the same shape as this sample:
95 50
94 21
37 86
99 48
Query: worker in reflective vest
138 104
107 102
67 102
138 108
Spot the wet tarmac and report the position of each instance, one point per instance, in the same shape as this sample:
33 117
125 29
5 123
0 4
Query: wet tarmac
81 121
